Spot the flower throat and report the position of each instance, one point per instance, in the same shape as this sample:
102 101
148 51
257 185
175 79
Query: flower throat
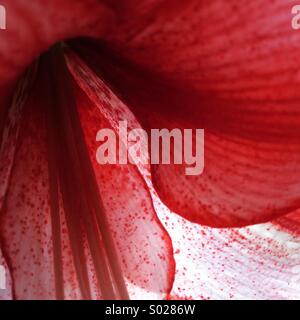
72 180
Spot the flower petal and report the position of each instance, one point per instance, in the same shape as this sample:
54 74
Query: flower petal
26 225
257 262
34 26
144 246
48 236
290 223
230 68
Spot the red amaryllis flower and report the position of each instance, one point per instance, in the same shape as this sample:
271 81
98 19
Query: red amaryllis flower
73 229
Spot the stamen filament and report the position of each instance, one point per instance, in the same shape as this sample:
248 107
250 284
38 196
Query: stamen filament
71 173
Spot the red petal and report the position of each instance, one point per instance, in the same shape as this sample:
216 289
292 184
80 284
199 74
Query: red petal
26 231
144 246
232 69
34 26
54 257
290 223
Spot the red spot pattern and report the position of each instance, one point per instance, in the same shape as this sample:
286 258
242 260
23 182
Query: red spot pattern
225 66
